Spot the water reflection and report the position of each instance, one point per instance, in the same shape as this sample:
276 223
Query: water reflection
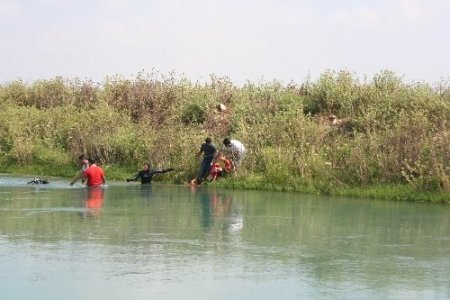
146 191
94 202
217 209
205 201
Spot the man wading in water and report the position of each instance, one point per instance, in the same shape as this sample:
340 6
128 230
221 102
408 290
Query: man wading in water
146 174
94 174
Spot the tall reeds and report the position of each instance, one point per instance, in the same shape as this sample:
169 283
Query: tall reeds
335 131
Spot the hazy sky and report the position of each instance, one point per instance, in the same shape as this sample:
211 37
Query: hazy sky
246 39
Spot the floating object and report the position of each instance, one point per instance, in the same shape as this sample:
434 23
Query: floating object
38 181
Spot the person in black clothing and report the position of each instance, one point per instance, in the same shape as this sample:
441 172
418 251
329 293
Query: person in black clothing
209 153
146 174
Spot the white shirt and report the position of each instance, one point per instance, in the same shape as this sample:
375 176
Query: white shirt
236 148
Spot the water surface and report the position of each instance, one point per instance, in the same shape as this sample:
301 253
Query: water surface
128 241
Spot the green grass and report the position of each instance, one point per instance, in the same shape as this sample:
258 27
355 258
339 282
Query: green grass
396 192
36 169
399 192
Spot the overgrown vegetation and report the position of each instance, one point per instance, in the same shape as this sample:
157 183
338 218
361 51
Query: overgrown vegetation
321 136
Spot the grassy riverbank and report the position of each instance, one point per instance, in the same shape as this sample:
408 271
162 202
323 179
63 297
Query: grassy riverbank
398 192
380 138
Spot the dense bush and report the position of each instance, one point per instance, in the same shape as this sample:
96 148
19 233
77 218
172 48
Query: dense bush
336 131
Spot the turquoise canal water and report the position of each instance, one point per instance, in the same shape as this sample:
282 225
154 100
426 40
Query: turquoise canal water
128 241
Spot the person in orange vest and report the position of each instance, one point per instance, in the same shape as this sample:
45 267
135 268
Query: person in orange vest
217 171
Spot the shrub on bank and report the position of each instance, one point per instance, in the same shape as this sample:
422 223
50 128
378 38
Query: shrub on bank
330 133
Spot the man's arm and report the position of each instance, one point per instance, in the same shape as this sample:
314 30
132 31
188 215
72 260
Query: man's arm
161 171
222 152
79 176
233 166
135 178
217 156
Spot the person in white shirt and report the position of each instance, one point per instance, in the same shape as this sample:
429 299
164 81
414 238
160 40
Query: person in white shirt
235 151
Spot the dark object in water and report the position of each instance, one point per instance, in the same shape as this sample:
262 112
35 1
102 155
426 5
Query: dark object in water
38 181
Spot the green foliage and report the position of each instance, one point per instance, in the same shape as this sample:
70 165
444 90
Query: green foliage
333 92
398 132
193 114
